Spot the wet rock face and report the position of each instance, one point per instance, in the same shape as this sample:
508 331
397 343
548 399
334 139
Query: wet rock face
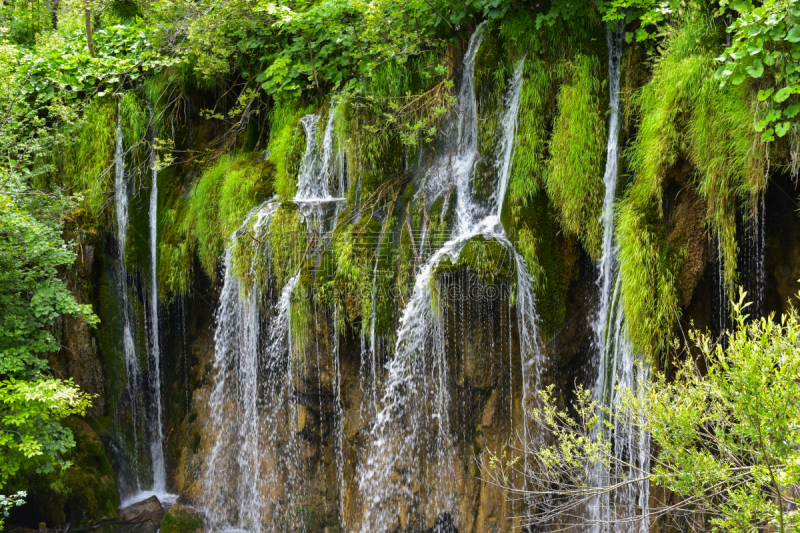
142 517
78 358
484 394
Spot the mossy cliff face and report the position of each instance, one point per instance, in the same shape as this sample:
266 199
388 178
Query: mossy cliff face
692 171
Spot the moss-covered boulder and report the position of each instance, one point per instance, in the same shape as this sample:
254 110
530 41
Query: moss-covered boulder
180 519
484 255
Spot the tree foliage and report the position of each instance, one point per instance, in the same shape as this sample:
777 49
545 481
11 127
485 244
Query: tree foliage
32 298
765 46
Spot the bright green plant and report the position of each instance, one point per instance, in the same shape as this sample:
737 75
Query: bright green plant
684 115
219 204
575 169
723 429
765 45
32 297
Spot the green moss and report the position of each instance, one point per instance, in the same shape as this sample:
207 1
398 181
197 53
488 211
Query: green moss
577 153
181 519
287 243
551 258
218 204
176 252
286 145
484 255
354 247
537 106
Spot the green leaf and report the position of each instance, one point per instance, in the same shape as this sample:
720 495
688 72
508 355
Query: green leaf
768 136
756 70
794 34
782 128
764 94
783 94
792 110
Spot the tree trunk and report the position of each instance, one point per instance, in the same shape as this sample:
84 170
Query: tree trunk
54 13
87 12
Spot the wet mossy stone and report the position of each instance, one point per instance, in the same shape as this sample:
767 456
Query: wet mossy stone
180 519
485 255
93 493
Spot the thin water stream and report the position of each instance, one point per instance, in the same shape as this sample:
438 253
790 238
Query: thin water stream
156 420
616 364
143 388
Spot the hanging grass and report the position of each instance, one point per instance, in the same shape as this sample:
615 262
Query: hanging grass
683 114
574 179
85 156
537 106
218 205
287 143
135 122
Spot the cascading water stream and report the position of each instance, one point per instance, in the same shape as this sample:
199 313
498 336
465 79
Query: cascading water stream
607 266
505 148
616 363
132 385
410 425
143 389
157 434
231 478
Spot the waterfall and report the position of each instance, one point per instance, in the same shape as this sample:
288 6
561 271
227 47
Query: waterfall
143 388
318 171
233 480
254 477
617 364
132 383
608 259
411 424
154 363
505 148
454 166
